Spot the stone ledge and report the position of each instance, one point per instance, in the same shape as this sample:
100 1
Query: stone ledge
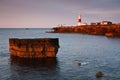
34 48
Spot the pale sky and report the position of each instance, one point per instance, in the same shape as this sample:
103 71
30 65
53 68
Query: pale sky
50 13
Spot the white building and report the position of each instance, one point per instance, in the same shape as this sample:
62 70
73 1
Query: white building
106 22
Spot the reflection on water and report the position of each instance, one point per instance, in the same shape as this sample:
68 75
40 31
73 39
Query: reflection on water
45 62
24 69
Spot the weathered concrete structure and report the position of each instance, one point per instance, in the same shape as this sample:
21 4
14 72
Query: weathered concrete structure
34 48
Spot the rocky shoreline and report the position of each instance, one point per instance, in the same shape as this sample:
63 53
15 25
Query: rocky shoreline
112 30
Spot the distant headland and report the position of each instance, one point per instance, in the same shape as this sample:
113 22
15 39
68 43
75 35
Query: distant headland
106 28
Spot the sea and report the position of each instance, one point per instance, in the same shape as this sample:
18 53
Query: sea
79 57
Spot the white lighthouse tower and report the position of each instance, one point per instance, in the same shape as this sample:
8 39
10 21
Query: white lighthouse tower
79 20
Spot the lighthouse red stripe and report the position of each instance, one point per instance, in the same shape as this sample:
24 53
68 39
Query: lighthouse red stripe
79 20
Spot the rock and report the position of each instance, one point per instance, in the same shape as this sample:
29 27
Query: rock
109 34
34 48
99 74
77 62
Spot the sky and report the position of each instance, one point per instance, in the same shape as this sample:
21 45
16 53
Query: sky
51 13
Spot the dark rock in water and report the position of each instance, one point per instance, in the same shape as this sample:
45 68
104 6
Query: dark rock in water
77 62
99 74
34 48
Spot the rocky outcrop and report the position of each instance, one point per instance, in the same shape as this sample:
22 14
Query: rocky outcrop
99 74
112 30
34 48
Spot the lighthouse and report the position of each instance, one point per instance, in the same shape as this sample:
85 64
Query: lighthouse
79 20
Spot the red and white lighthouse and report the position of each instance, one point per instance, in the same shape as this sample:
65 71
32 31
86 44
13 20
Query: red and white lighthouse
79 20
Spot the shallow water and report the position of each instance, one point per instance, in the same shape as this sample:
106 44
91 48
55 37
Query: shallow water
95 53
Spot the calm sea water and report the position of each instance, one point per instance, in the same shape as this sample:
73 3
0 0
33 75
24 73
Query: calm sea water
96 53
